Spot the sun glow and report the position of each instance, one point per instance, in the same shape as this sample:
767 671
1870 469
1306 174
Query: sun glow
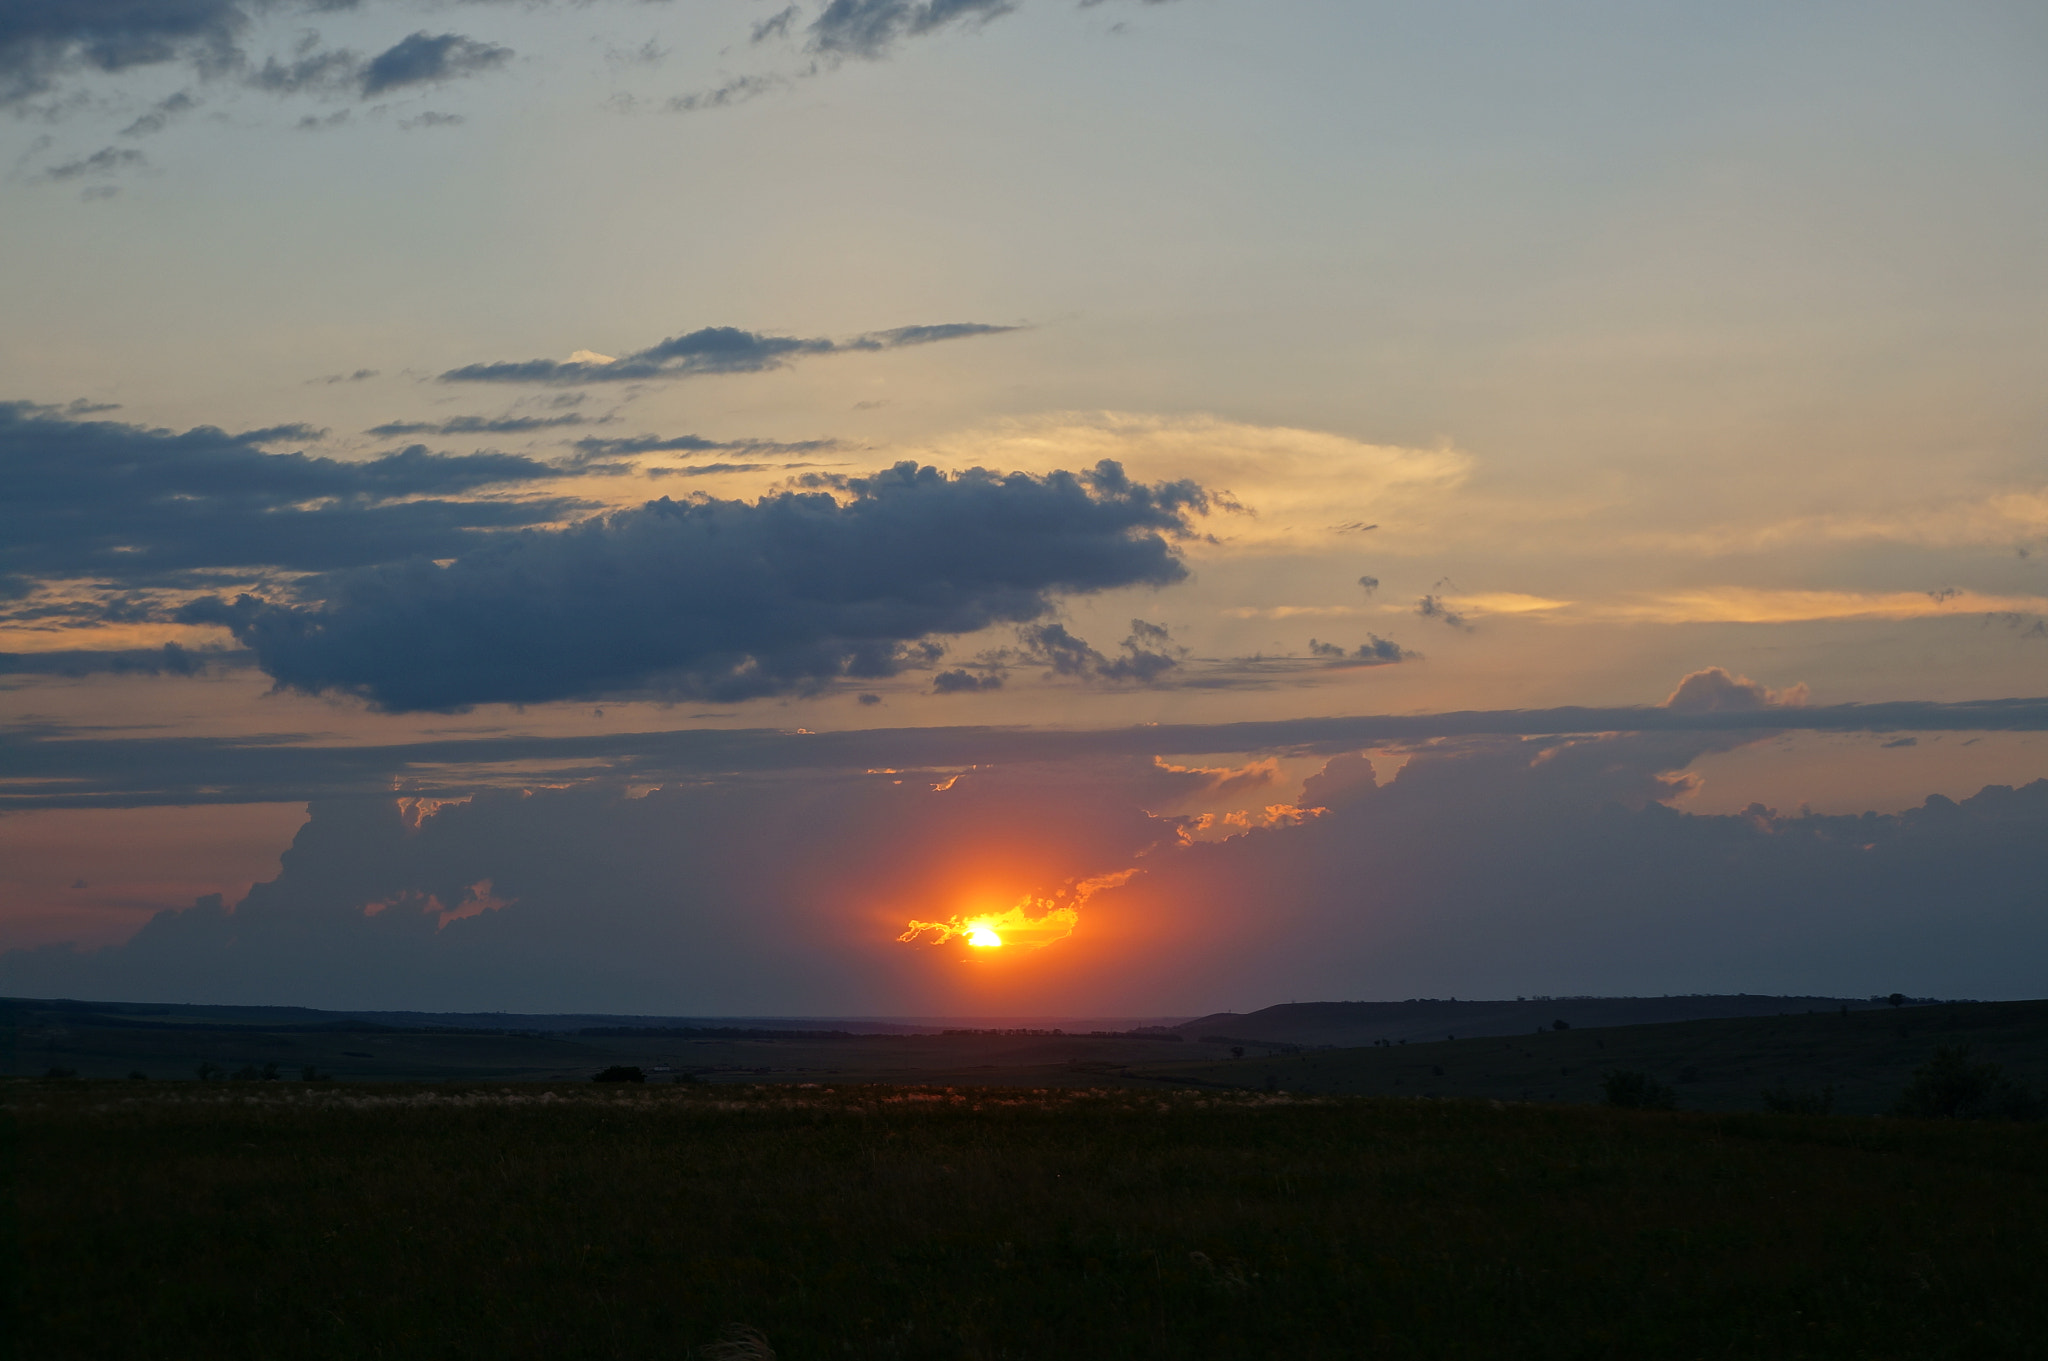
1030 925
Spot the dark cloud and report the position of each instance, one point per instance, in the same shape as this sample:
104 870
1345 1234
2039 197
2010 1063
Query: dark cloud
738 90
1433 607
359 376
1374 651
53 767
723 600
962 682
1516 866
870 28
568 895
117 502
430 58
105 161
1484 868
777 24
161 114
168 660
713 469
296 432
713 349
1715 691
1370 583
479 425
1148 654
594 447
312 68
41 40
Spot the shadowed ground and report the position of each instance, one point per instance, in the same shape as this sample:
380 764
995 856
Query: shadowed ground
316 1220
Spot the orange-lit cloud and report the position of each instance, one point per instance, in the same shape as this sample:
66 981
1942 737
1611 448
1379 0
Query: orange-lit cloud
1745 605
1031 924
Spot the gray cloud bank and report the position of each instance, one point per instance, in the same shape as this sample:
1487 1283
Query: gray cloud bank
428 59
870 28
53 767
721 600
1489 867
711 349
133 505
42 41
168 660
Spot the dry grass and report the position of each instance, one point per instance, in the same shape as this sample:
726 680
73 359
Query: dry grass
320 1221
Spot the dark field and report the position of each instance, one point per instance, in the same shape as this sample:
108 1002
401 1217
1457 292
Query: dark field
1865 1056
344 1220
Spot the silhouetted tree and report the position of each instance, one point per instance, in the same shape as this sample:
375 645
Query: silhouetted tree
1799 1100
1950 1087
620 1072
1897 999
1637 1092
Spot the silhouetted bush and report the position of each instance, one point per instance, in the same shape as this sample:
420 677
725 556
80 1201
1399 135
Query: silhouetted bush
1950 1087
249 1072
620 1072
310 1073
60 1074
210 1072
1799 1100
1560 1025
1637 1092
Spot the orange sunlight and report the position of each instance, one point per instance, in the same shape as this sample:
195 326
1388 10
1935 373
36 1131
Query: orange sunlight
1030 925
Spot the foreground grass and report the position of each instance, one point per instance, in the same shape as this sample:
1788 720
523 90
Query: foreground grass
296 1220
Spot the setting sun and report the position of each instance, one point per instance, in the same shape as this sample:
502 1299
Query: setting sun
1032 923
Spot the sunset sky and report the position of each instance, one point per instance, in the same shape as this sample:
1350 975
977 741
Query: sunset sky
697 506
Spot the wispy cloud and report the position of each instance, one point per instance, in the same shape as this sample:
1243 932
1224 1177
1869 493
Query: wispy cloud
709 350
57 767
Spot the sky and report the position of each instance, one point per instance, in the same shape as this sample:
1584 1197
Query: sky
707 507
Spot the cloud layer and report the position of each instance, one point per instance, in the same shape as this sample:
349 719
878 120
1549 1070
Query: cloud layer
722 600
1485 867
711 349
52 767
127 504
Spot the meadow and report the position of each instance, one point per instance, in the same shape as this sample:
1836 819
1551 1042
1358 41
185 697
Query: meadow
275 1220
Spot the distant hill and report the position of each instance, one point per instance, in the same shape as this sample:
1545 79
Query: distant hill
1429 1018
147 1014
1857 1063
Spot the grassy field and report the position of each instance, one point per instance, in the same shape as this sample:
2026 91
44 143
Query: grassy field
344 1220
1726 1064
1865 1057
